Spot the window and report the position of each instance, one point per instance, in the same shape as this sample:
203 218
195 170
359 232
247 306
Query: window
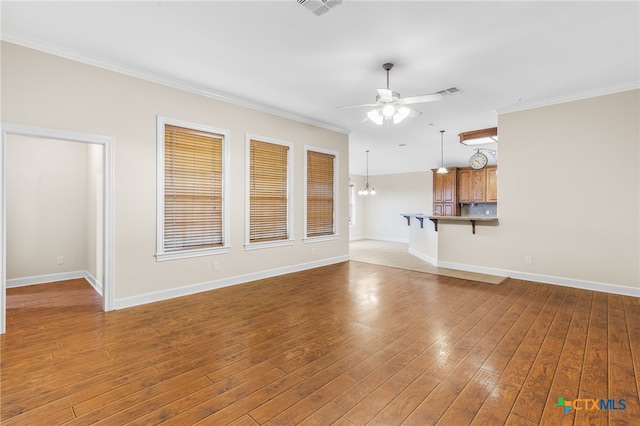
191 188
268 221
321 181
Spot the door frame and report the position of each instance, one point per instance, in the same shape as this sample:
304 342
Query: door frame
107 142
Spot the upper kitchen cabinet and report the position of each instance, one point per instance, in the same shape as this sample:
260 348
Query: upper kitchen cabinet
445 197
477 186
492 184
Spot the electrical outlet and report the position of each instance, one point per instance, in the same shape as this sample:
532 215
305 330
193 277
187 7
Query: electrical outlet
60 260
487 212
313 250
216 266
528 260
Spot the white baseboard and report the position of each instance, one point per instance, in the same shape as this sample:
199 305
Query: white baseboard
41 279
391 240
158 296
547 279
424 257
50 278
97 285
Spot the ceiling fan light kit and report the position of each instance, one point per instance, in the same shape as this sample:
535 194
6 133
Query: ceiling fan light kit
375 116
391 107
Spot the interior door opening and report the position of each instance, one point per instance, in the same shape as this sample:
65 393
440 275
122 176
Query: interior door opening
56 210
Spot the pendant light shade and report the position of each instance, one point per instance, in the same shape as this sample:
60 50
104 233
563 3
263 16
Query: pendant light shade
367 190
442 169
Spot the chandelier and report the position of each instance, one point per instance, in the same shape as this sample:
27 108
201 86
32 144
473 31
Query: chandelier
367 190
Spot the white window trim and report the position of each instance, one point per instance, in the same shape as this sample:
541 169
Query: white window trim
226 134
336 185
247 213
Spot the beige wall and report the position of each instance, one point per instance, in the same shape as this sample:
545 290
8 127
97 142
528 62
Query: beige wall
569 197
396 194
48 91
47 200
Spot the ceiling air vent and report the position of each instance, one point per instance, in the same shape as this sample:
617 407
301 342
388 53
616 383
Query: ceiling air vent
319 7
449 91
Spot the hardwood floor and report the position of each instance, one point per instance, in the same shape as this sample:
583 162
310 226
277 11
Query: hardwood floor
347 344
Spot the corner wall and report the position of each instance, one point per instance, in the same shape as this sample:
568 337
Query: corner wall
569 197
46 207
47 91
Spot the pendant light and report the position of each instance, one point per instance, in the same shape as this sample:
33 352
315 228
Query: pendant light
367 190
442 169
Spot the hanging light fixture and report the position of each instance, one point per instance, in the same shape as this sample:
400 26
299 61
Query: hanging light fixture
390 110
442 169
367 190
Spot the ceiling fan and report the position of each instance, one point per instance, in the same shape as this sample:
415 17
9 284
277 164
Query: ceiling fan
390 106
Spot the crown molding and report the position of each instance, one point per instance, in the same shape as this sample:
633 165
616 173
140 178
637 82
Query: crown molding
632 85
76 56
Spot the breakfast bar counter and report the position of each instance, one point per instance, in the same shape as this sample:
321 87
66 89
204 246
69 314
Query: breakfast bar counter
436 218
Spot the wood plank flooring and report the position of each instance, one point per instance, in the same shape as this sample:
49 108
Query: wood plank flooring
347 344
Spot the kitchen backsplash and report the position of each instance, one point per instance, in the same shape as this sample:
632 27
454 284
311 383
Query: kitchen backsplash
479 209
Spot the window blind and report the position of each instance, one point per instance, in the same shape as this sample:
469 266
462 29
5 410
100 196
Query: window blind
192 189
268 192
320 193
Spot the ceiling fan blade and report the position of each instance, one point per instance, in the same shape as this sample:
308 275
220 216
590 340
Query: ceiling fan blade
356 106
422 98
386 95
414 113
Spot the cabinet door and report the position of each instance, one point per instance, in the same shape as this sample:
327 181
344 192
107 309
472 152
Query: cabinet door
478 186
438 188
449 183
445 193
492 185
464 186
450 209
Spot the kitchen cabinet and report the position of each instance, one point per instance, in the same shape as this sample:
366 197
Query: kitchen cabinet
492 185
477 186
445 193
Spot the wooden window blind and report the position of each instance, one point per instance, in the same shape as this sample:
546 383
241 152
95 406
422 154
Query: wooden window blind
320 194
192 189
268 192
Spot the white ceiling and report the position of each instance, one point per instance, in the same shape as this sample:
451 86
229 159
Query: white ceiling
278 56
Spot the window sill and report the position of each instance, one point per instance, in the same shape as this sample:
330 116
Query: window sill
268 244
162 257
322 238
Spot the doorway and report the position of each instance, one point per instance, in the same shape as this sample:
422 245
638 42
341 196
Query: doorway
103 215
